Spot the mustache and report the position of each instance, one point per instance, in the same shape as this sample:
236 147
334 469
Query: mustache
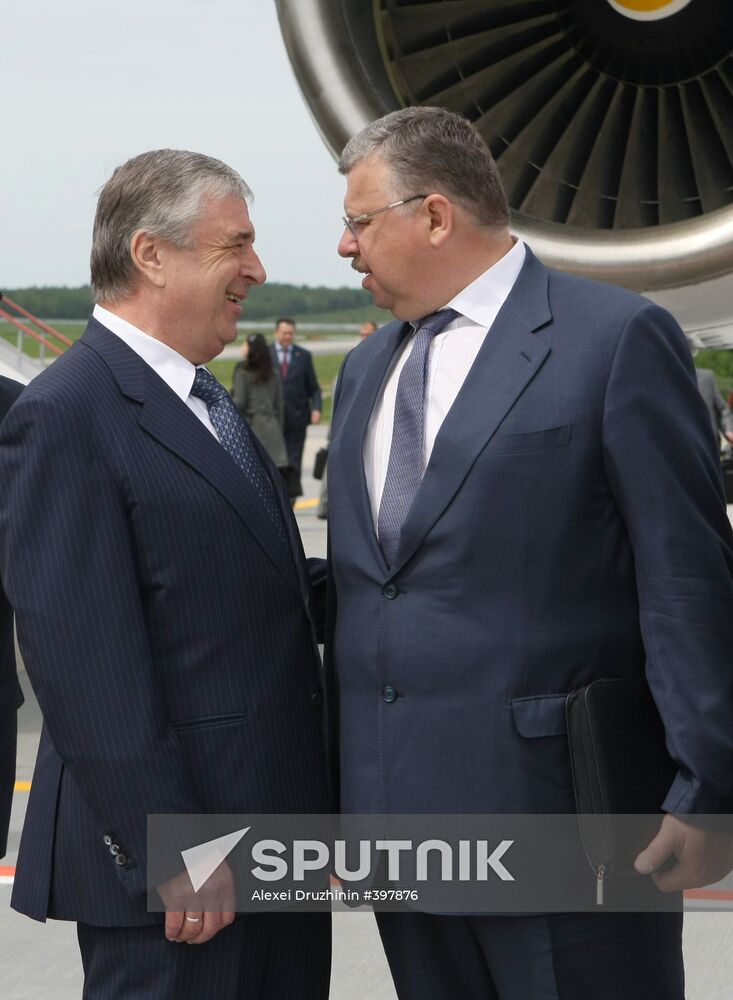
357 264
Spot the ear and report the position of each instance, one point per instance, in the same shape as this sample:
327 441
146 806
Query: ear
441 214
148 256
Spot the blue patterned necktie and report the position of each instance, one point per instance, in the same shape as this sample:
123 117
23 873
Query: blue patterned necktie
234 435
404 471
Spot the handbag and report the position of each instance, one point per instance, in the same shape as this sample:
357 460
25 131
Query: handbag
620 766
319 466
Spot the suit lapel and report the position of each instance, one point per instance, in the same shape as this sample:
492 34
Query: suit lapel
355 424
167 419
291 525
509 358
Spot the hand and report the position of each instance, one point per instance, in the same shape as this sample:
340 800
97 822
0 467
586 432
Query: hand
208 911
315 416
702 856
729 436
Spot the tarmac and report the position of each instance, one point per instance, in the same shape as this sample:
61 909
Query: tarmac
41 961
324 345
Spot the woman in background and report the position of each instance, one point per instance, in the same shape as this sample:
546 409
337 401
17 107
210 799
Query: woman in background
257 393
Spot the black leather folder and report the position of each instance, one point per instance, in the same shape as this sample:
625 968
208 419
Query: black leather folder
621 771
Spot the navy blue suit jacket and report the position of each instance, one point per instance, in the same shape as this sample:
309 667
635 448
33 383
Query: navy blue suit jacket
11 697
163 625
570 526
301 392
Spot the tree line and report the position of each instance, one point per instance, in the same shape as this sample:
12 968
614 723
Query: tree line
265 302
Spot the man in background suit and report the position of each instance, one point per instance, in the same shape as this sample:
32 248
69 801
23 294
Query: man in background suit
301 391
721 419
11 697
523 498
157 576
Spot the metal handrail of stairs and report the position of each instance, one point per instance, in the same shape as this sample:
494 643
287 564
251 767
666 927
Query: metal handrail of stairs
48 339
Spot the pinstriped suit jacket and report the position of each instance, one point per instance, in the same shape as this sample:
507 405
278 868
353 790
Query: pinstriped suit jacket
164 628
10 695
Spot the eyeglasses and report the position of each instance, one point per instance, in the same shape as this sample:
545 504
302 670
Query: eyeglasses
352 224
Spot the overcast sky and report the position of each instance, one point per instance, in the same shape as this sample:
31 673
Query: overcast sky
85 84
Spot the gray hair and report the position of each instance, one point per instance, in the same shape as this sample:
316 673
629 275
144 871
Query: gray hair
161 192
431 149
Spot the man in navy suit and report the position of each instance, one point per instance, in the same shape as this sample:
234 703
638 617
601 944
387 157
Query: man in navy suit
11 697
155 568
523 497
301 391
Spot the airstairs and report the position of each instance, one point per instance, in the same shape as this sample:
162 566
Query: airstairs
36 342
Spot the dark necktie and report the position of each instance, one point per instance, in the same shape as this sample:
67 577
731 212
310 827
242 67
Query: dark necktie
404 471
234 436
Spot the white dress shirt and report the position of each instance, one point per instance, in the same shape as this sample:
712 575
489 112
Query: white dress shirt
450 357
175 370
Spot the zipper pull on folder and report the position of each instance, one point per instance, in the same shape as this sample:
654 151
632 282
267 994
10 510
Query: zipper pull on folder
600 872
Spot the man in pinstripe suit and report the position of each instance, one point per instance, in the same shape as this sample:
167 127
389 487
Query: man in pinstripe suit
146 559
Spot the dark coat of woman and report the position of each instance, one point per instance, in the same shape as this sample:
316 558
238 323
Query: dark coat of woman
257 393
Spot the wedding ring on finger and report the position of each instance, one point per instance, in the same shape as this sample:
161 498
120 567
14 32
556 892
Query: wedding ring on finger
193 920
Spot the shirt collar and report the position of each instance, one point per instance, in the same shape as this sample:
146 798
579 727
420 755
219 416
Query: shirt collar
480 300
175 370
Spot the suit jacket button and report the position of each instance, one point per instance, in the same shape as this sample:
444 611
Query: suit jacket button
114 850
107 839
390 591
316 698
121 860
389 694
